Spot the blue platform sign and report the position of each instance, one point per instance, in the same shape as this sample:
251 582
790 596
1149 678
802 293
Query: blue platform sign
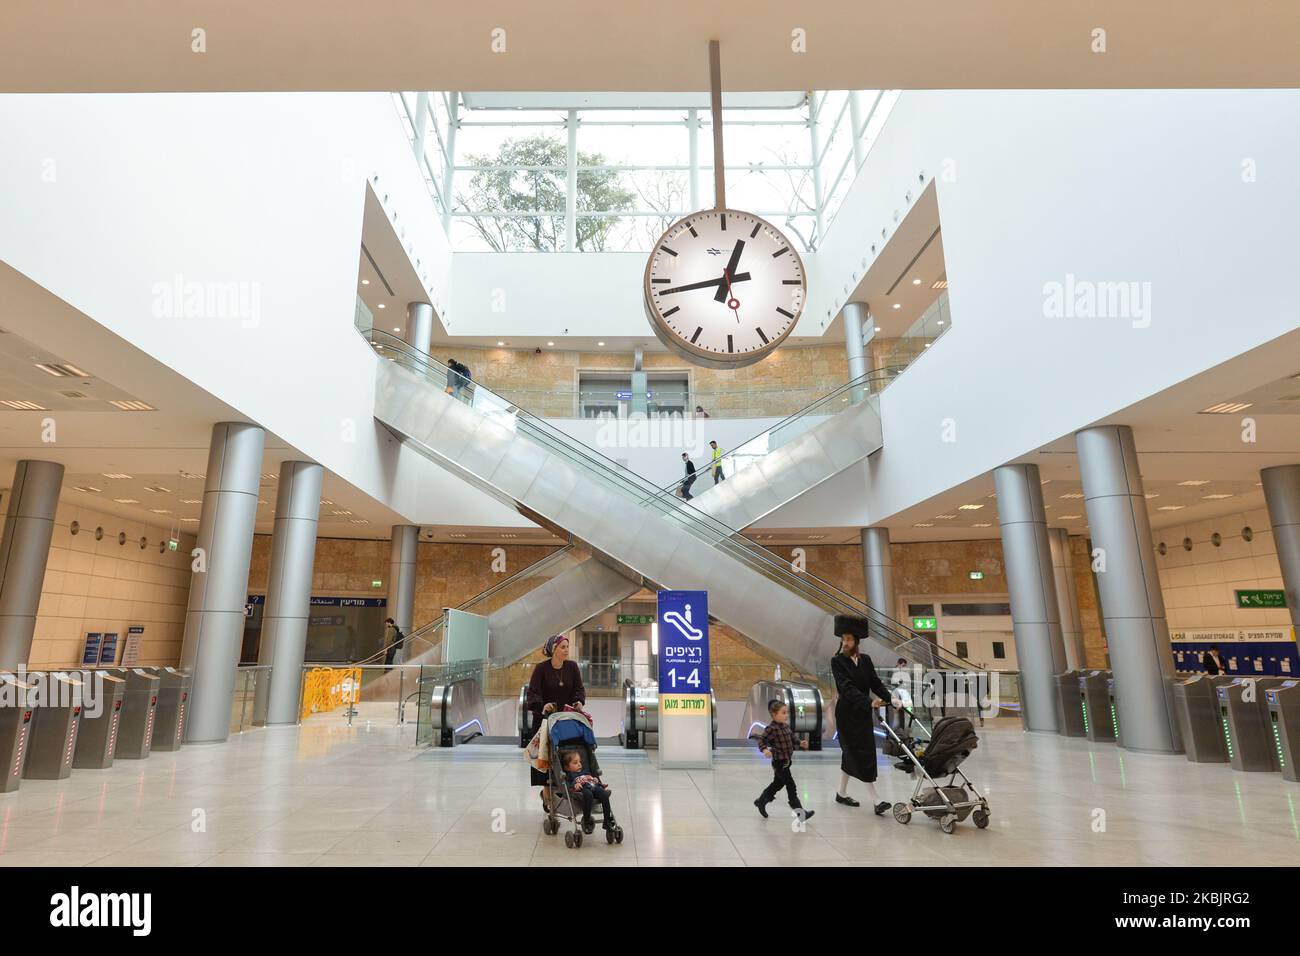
684 642
108 650
90 657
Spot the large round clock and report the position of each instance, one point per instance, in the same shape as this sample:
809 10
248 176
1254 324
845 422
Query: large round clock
724 288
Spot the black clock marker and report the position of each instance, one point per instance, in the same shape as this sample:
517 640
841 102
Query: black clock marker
788 315
729 346
667 250
757 226
694 234
661 280
697 334
783 281
676 308
780 252
724 221
761 335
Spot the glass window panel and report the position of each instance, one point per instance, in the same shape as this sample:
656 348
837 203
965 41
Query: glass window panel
633 145
648 190
543 233
518 145
509 190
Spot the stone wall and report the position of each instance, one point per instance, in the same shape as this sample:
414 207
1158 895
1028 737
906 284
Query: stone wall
546 383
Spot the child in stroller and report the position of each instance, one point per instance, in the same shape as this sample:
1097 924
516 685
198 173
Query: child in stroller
574 781
931 758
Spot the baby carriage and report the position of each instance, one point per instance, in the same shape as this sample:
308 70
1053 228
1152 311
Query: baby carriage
570 732
931 758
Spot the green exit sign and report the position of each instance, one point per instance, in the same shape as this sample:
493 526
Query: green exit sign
977 575
636 618
376 583
925 623
1261 599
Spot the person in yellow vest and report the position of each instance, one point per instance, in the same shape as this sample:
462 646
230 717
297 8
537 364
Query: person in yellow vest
717 463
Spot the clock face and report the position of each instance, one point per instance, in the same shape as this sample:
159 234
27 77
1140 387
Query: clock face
724 288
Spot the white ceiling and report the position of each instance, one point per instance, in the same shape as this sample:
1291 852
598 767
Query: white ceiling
71 45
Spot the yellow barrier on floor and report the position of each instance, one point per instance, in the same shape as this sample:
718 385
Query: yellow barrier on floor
326 688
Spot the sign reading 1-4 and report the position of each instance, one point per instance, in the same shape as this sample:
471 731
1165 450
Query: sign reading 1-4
683 642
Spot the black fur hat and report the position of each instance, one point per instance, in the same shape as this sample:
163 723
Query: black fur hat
847 624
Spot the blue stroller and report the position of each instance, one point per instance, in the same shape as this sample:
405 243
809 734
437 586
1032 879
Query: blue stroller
569 732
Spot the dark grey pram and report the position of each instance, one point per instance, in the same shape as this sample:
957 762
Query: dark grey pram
932 757
569 732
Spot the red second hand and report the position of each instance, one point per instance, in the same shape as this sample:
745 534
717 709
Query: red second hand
732 302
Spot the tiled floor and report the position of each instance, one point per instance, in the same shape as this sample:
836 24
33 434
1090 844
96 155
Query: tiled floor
328 795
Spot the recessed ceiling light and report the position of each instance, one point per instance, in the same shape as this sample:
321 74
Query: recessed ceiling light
550 343
982 524
158 489
877 328
1153 494
1171 507
1195 483
365 282
61 370
126 501
191 501
940 284
86 488
326 501
923 524
190 520
600 343
970 507
270 476
1071 517
160 511
898 305
381 305
945 517
397 328
1215 497
24 406
1226 408
118 476
359 520
341 513
133 406
916 282
1072 494
501 343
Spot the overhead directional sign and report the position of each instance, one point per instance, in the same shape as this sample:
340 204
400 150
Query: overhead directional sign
1265 599
685 707
925 623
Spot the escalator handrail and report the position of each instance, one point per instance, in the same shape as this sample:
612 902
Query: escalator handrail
728 539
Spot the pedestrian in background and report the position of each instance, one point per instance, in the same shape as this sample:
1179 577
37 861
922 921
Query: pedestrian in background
717 463
689 478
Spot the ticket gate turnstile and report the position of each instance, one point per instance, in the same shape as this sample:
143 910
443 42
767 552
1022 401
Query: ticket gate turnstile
15 729
139 713
173 703
1112 710
1246 725
1197 707
1069 705
53 738
1095 695
1283 704
97 739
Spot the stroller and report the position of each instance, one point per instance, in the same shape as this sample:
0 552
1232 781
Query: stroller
936 755
570 732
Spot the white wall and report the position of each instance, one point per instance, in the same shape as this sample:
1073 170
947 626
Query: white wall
108 198
1032 186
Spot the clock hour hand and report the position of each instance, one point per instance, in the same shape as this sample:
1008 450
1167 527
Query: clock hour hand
730 270
707 284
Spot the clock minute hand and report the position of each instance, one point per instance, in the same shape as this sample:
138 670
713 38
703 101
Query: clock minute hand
707 284
730 270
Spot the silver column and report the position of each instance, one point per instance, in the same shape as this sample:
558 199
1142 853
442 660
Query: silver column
1067 600
288 592
855 315
214 621
419 326
24 550
401 575
1035 617
1131 603
878 570
1282 495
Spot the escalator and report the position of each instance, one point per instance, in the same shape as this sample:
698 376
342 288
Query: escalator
650 531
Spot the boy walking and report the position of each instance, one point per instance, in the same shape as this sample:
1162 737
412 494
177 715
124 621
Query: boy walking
778 745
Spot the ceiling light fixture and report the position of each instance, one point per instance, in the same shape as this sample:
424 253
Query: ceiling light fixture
916 282
1194 482
550 343
970 507
24 406
117 476
982 524
86 488
126 501
365 282
1226 408
600 343
898 305
1216 497
381 305
1071 517
1172 507
940 284
923 524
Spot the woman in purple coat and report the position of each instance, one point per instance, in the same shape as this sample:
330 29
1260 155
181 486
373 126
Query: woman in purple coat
556 683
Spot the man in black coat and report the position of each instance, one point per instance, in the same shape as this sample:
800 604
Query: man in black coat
689 478
855 681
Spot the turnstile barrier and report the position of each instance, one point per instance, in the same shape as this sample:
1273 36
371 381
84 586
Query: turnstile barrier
1196 705
1283 704
97 739
1095 698
15 730
139 712
173 700
1244 716
53 738
1069 705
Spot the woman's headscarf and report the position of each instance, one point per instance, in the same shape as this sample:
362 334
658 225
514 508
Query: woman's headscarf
548 649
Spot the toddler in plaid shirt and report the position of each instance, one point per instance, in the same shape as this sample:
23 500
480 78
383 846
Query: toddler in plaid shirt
778 745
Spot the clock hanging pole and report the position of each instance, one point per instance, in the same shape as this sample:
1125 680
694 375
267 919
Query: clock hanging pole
715 105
